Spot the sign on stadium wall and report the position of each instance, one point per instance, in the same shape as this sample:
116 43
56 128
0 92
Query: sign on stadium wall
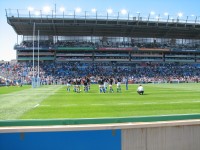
154 49
111 49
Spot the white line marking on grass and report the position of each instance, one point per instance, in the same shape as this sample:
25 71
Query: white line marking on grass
44 105
69 105
14 105
125 103
98 104
36 105
178 102
150 103
182 102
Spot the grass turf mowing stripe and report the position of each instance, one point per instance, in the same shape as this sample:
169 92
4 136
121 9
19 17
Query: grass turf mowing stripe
153 103
11 89
13 105
159 99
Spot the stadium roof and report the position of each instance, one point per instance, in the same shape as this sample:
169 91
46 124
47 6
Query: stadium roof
104 27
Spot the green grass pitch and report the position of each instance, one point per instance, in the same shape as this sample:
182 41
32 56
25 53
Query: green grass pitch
53 101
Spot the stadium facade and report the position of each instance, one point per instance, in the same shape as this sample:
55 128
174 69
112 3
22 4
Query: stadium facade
69 38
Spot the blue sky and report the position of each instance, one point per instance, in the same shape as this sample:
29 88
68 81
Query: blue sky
8 37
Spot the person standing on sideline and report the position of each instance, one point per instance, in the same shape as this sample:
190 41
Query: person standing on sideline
126 82
140 90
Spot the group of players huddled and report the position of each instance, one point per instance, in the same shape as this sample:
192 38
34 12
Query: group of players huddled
77 82
103 82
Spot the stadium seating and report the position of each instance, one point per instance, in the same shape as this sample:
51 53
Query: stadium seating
56 73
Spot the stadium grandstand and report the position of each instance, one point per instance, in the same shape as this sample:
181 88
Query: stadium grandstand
145 49
120 53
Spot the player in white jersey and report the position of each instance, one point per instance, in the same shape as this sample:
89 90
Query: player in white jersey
68 84
105 84
119 84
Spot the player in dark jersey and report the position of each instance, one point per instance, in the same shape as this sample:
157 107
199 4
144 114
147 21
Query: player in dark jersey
88 83
78 85
74 83
110 84
85 84
100 82
68 84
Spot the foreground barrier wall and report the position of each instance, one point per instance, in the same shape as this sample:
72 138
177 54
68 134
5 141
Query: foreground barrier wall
162 138
71 140
160 135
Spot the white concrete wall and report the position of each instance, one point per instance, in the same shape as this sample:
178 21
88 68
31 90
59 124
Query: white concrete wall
185 137
163 135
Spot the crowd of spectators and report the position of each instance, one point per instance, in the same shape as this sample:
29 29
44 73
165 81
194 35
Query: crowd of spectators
111 44
57 73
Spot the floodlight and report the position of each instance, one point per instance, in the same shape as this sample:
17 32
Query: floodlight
180 14
138 12
93 10
192 15
62 9
124 11
30 8
46 9
78 10
166 13
37 13
109 11
152 13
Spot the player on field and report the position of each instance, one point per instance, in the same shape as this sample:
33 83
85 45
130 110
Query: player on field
140 90
105 84
85 84
126 82
78 85
88 83
74 83
119 84
110 84
68 84
100 82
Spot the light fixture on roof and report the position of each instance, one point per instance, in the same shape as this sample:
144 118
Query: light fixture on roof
152 13
78 10
37 13
180 14
47 9
123 11
166 13
109 11
62 9
93 10
30 8
138 13
138 17
192 15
